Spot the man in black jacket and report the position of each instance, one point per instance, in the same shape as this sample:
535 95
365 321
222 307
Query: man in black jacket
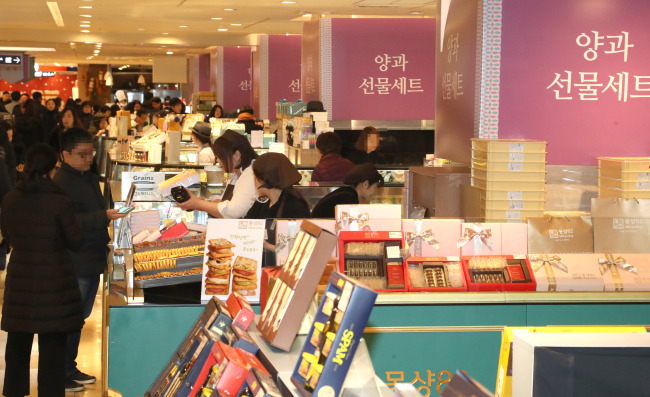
90 261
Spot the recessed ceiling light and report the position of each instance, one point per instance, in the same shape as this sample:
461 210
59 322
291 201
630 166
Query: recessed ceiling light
86 16
56 13
141 29
288 2
165 34
86 7
85 31
182 26
216 19
84 21
170 53
84 26
235 24
21 49
230 9
57 64
222 30
417 12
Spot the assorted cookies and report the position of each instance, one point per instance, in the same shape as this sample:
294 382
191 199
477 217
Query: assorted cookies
221 267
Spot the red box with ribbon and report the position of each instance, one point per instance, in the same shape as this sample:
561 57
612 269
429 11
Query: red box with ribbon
498 273
375 259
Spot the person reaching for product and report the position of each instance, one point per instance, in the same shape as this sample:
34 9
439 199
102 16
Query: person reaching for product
41 293
362 182
236 156
82 185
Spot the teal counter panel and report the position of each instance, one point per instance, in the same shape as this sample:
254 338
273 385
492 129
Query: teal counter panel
447 315
141 339
589 314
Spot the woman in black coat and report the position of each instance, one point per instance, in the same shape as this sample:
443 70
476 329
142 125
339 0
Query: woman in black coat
41 291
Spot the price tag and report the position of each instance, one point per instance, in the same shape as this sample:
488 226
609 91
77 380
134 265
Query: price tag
515 166
513 214
514 195
516 205
643 176
643 186
394 234
516 147
516 157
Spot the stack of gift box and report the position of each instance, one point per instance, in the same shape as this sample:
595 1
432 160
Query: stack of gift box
510 175
624 177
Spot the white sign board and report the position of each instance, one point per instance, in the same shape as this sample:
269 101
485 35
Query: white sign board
146 184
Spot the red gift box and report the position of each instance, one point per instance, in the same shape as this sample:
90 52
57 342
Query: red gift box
241 311
369 236
176 231
510 286
421 259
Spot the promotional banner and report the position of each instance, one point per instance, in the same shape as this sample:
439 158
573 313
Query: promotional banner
235 77
279 69
233 258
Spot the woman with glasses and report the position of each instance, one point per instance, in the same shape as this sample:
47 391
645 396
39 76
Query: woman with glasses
236 156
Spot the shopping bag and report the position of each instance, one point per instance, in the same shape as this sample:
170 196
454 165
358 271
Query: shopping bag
560 235
621 225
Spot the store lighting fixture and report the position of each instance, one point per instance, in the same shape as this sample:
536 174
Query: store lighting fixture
182 26
56 13
86 16
73 45
288 2
216 19
141 79
170 53
27 49
86 7
222 30
235 24
417 12
230 9
85 31
57 64
84 25
165 34
108 77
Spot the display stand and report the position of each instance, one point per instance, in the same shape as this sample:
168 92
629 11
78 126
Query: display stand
360 382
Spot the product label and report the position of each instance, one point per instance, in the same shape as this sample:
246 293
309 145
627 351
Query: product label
513 214
515 166
515 195
516 157
394 234
516 205
643 186
643 176
516 147
343 348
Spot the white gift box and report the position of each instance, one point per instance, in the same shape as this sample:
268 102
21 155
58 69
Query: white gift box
432 237
566 272
369 217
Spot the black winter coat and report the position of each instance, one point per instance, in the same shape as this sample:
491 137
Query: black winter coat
89 207
41 290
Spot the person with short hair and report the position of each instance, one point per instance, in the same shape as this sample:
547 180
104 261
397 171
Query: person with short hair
201 133
86 115
141 121
235 155
331 166
177 107
6 97
15 100
69 119
362 182
41 293
367 148
82 185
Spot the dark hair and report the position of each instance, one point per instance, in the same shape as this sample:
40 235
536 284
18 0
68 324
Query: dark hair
74 137
141 112
86 103
37 95
5 92
114 110
5 126
246 109
15 95
57 102
70 103
77 121
328 142
41 158
361 173
362 141
213 111
105 108
156 100
227 144
53 101
28 107
148 96
175 101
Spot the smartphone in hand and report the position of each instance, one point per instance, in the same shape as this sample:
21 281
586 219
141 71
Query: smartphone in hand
125 210
180 194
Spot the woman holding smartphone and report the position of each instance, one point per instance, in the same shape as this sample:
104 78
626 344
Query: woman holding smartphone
236 156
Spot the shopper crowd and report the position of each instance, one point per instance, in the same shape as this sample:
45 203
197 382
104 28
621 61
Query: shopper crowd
54 219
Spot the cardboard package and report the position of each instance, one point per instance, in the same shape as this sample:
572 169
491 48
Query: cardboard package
625 272
432 237
567 272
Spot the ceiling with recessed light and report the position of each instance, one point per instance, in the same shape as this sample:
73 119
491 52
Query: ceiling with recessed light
132 31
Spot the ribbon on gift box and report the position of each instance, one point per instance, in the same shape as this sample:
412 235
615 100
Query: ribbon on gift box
479 236
356 221
548 262
418 236
612 264
288 239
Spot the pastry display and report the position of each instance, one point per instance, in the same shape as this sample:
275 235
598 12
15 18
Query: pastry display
217 279
435 273
498 273
195 270
244 276
167 253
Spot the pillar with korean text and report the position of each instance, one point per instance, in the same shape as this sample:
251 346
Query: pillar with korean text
231 76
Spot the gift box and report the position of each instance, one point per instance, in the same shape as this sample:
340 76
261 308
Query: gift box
261 384
493 239
296 285
625 272
374 259
566 272
286 231
240 310
498 273
330 346
269 276
235 368
432 237
435 274
368 217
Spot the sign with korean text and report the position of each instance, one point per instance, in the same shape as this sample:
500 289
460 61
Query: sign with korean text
235 77
576 76
280 64
12 67
383 69
11 60
310 62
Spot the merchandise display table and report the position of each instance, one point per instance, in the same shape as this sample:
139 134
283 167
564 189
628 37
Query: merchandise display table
420 338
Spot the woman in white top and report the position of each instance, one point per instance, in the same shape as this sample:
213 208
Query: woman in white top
201 137
236 156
